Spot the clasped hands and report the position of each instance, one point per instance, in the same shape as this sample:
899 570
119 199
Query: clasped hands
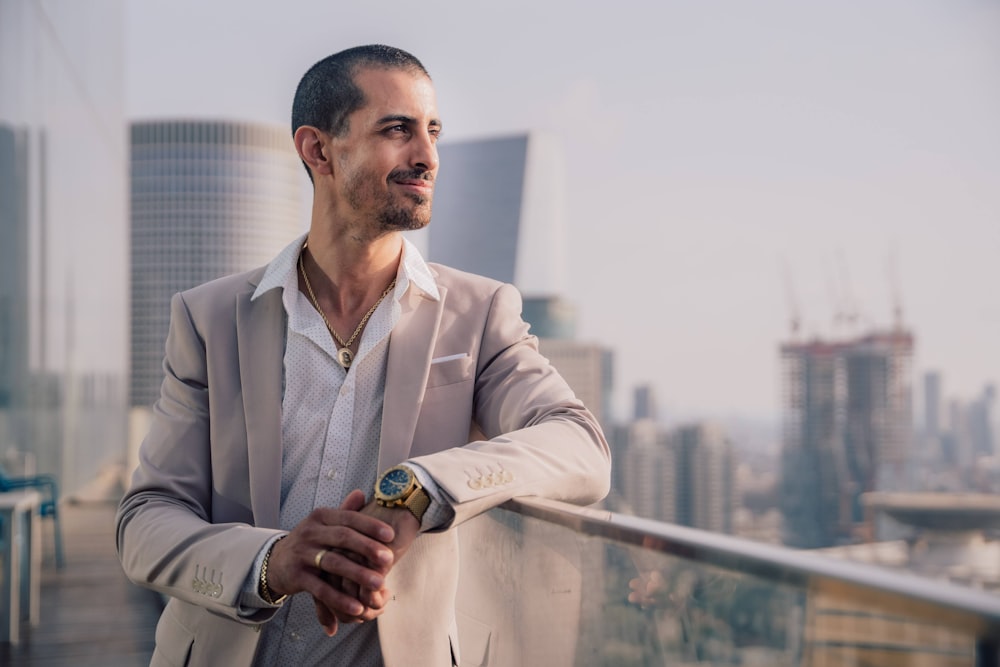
342 557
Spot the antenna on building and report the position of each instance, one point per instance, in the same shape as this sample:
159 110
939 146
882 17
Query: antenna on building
794 315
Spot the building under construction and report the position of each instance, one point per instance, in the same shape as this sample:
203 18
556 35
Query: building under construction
847 415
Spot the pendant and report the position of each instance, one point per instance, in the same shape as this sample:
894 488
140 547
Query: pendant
344 357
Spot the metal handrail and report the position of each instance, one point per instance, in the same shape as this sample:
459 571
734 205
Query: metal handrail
936 602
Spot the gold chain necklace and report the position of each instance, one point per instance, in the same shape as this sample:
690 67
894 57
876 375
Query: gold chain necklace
344 355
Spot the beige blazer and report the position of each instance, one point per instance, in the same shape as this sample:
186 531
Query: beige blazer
205 496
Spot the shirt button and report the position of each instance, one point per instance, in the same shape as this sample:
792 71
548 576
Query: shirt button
343 390
331 473
295 636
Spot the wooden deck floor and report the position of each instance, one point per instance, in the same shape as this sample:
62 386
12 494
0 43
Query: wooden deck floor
90 613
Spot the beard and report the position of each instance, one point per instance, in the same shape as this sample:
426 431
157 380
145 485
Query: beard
363 193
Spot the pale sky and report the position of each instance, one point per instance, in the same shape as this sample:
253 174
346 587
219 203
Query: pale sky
708 144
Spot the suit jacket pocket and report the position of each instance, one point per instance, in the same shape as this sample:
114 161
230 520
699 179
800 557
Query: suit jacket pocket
173 641
450 371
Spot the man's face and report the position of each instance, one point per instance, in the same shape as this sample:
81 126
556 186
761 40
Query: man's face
386 163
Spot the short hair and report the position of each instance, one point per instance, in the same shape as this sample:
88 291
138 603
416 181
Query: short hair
327 93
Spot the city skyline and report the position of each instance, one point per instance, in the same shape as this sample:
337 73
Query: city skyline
716 148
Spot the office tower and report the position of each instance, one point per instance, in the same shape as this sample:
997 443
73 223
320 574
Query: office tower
63 215
500 211
644 403
209 198
705 480
846 430
550 317
648 470
13 268
980 426
932 403
686 475
587 369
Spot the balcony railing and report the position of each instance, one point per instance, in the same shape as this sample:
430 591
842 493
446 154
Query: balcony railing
545 583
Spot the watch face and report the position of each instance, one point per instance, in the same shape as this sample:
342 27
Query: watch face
394 482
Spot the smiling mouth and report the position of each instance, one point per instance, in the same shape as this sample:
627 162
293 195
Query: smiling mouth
416 187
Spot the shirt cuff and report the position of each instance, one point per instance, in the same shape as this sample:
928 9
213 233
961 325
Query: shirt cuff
440 512
250 601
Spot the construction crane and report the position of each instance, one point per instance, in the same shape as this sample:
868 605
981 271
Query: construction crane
794 315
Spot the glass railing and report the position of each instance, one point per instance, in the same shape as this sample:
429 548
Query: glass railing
545 583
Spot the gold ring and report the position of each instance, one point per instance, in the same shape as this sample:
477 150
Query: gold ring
318 560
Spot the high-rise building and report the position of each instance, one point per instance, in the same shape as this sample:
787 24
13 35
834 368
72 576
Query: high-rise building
647 470
587 369
13 268
500 211
644 402
63 220
705 480
686 475
209 198
847 430
932 404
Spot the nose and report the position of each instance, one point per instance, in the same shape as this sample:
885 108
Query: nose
424 155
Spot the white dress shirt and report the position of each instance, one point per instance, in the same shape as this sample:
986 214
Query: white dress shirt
330 423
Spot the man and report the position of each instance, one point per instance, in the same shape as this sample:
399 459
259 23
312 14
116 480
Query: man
293 391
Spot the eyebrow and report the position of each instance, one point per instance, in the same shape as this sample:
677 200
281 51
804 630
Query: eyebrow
409 120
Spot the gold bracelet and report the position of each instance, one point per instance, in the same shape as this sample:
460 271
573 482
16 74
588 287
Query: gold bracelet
264 589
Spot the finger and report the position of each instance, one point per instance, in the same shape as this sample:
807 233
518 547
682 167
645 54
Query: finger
362 523
375 599
354 501
328 593
353 574
350 542
327 619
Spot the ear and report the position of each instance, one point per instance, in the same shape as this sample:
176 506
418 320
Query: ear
310 143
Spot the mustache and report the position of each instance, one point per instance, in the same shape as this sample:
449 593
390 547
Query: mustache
408 174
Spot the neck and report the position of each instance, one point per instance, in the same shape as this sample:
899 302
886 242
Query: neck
349 273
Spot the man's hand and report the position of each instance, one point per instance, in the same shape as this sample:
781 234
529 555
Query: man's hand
404 525
336 534
405 528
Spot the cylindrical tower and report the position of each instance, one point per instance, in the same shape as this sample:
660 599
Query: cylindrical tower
209 198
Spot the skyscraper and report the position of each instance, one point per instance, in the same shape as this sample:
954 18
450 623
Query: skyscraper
705 483
209 198
13 268
847 413
63 257
500 211
685 475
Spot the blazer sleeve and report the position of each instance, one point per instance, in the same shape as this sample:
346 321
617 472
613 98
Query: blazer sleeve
539 439
166 537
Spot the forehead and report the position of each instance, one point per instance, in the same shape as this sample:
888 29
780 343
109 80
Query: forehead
396 92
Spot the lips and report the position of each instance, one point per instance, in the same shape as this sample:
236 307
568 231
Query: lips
416 183
416 186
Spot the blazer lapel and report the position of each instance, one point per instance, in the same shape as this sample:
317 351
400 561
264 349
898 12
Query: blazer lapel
411 344
260 334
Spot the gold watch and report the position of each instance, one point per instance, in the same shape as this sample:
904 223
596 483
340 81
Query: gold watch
398 487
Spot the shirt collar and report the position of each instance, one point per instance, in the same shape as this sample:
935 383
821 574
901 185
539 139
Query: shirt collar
281 272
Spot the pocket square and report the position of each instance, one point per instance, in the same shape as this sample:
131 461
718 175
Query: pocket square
450 357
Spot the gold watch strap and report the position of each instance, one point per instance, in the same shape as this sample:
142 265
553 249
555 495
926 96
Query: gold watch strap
418 502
